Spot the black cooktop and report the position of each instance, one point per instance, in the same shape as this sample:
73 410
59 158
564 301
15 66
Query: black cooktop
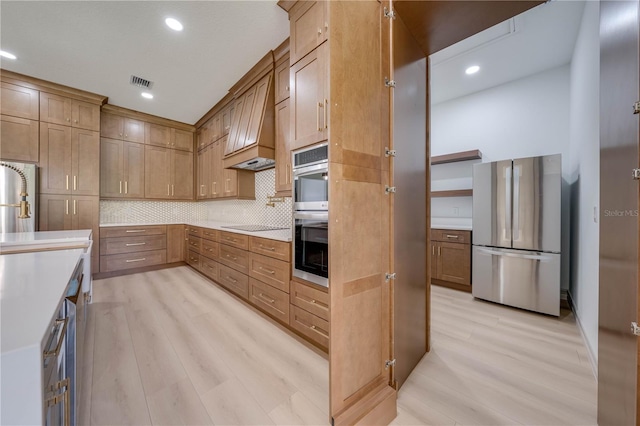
254 228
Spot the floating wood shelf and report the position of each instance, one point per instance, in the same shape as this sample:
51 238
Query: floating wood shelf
453 193
456 156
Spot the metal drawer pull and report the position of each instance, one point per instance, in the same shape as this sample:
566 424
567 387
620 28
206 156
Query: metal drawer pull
268 248
232 257
231 279
229 239
266 270
134 244
135 260
135 230
268 299
452 236
75 185
56 351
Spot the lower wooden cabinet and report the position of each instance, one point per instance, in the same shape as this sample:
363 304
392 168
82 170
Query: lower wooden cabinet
275 302
313 327
451 258
235 281
175 243
130 247
119 262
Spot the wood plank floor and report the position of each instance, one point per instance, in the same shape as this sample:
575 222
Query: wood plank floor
169 347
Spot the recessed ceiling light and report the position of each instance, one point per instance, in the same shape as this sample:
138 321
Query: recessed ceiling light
147 95
7 55
472 70
174 24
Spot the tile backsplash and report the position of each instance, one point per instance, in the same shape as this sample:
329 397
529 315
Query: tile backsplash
237 211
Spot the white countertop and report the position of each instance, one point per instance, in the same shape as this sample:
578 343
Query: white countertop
31 286
44 238
461 223
279 235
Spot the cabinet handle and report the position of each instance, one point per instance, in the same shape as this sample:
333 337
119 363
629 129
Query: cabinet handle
267 248
186 234
319 31
168 187
68 119
173 190
318 116
120 134
126 135
433 250
75 121
126 186
74 207
67 181
134 244
452 236
54 353
231 279
439 250
267 298
131 231
120 190
75 183
135 260
326 104
266 270
231 257
66 206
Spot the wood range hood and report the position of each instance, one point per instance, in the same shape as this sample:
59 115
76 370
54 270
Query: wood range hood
251 142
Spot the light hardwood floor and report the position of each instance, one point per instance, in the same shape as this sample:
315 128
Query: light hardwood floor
170 347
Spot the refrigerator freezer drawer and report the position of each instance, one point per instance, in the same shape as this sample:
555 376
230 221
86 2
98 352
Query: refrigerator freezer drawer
523 279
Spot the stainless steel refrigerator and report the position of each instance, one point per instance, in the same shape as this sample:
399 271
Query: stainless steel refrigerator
516 232
11 187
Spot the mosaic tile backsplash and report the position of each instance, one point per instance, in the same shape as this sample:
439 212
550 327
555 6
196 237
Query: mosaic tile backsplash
236 211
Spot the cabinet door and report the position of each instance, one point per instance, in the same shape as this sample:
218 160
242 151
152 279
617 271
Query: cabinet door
54 212
202 181
111 126
175 243
133 170
85 115
454 262
19 139
283 149
262 91
133 130
18 101
216 127
111 168
182 175
230 141
55 109
217 185
282 81
308 24
85 215
55 159
230 177
227 117
85 162
158 135
157 174
182 139
309 113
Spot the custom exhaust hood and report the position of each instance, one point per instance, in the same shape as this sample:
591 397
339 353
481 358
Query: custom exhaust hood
251 142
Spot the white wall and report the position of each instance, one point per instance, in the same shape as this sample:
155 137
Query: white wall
585 174
523 118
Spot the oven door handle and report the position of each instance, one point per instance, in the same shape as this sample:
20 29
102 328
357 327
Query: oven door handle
309 215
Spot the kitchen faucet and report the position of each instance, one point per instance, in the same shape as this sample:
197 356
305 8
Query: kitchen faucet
24 204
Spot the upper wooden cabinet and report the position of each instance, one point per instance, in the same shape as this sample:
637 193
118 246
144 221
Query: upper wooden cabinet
168 173
309 99
69 112
282 80
121 169
283 149
182 139
19 139
159 135
309 27
18 101
123 128
227 117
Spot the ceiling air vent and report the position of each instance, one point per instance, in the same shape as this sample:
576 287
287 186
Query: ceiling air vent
141 82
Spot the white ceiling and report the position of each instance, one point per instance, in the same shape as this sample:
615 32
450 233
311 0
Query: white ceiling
537 40
97 45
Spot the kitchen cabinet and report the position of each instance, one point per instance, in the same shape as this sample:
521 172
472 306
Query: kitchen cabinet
121 169
57 109
283 150
282 80
309 99
19 139
182 139
175 243
451 258
168 173
20 102
204 173
123 128
130 247
309 28
69 160
227 117
159 135
229 183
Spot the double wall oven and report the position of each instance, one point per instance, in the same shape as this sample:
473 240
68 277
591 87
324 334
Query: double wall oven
311 214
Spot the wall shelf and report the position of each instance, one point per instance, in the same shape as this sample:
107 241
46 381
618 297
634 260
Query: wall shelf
453 193
456 156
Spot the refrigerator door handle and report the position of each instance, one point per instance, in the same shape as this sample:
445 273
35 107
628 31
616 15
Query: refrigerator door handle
506 232
542 257
516 203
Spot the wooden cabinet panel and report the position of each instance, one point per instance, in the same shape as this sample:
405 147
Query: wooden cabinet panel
85 115
85 165
120 262
308 23
274 272
282 81
181 175
193 259
132 244
111 126
129 231
158 135
111 167
272 301
55 109
55 159
19 139
311 326
230 178
203 172
194 231
217 169
232 257
182 139
209 268
236 240
210 249
210 234
454 263
54 213
283 149
157 163
194 243
452 236
18 101
233 280
262 89
133 170
133 130
310 299
175 243
227 117
280 250
238 133
308 102
215 127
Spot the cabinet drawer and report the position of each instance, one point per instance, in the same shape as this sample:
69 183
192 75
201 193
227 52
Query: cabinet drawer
310 299
210 234
233 280
209 268
193 259
210 249
310 325
128 231
118 262
277 249
452 236
194 243
236 240
269 299
234 258
194 230
274 272
132 244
